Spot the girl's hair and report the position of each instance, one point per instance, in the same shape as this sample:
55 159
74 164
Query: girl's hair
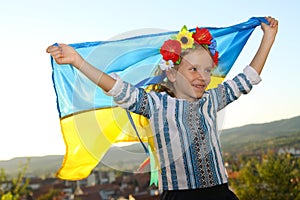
166 85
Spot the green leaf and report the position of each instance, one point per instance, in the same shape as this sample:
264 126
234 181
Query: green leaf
173 37
184 28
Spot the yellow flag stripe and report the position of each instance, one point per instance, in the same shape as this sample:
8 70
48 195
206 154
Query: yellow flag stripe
87 141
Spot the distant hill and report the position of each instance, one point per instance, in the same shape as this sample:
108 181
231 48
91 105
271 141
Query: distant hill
276 134
253 137
44 165
255 132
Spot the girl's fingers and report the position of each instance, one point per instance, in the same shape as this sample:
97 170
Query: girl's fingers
56 54
52 49
49 49
272 21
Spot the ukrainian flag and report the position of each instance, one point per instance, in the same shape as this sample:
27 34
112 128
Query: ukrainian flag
90 121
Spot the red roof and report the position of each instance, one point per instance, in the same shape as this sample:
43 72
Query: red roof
89 196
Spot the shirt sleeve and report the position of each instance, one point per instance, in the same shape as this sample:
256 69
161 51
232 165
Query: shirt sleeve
252 75
231 90
129 97
116 89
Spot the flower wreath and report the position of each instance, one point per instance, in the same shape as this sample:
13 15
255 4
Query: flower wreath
172 48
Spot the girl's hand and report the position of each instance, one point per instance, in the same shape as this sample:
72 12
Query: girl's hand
64 54
272 28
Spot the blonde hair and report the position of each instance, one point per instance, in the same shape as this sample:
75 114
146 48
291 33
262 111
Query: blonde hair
164 86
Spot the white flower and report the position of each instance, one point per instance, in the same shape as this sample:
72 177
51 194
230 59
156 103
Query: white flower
166 65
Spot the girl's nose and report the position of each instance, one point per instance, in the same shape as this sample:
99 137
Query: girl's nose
203 75
200 74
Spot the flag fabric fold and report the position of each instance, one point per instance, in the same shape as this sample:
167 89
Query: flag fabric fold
89 119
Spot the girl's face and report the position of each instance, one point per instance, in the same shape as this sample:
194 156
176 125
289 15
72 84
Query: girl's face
193 75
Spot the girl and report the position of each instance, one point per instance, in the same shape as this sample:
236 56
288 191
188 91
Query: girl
181 113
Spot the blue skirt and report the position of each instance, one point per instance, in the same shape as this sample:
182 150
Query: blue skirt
220 192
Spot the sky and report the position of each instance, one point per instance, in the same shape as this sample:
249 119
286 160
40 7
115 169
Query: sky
29 117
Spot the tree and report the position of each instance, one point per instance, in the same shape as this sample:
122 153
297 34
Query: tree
15 188
272 177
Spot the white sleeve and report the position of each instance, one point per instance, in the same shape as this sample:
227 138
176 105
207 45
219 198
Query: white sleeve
252 75
117 88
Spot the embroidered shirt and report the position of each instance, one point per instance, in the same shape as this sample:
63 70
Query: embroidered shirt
186 136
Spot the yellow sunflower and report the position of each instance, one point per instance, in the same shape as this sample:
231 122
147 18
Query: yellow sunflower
185 38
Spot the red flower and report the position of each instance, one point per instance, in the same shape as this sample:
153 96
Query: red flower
202 36
171 50
216 58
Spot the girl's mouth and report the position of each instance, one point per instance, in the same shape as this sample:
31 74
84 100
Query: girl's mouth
199 86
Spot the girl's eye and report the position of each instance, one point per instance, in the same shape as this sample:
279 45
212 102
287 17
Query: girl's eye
207 70
194 69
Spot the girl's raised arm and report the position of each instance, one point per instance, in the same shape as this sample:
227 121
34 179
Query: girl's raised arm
267 41
64 54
